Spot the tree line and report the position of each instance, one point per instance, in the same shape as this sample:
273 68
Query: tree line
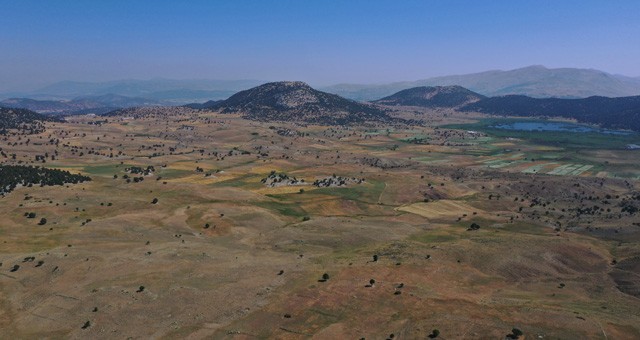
13 175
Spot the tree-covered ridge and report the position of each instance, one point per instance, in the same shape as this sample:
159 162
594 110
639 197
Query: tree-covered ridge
13 175
25 121
432 97
148 112
617 113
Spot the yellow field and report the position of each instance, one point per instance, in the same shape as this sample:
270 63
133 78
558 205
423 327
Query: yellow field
439 210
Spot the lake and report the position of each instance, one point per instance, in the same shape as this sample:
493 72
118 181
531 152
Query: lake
556 126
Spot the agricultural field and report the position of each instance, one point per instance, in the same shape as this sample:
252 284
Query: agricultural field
556 152
204 225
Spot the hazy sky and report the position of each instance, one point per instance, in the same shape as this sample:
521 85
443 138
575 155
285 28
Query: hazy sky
321 42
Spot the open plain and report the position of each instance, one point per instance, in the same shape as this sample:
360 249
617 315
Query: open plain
197 224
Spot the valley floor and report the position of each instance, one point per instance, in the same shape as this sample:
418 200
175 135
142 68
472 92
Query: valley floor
201 247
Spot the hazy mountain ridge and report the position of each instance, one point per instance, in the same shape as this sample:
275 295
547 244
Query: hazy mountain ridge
533 81
205 105
80 105
432 97
42 106
298 102
175 91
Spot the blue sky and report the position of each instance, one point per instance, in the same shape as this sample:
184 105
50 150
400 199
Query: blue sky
321 42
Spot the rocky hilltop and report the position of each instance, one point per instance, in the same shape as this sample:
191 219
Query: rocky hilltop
295 101
432 97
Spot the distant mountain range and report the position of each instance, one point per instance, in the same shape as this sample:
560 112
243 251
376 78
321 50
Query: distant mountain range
173 91
298 102
205 105
532 81
80 105
432 97
295 101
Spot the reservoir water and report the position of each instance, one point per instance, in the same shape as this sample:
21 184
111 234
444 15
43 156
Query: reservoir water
556 126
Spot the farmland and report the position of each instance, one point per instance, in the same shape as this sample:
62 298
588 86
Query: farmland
202 247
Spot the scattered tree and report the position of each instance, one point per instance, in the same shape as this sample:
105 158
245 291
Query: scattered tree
325 278
474 226
515 334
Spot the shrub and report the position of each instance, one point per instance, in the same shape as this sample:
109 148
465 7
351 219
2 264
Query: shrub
474 226
515 334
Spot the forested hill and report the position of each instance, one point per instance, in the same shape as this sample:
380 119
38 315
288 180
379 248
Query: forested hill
616 113
22 120
432 97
